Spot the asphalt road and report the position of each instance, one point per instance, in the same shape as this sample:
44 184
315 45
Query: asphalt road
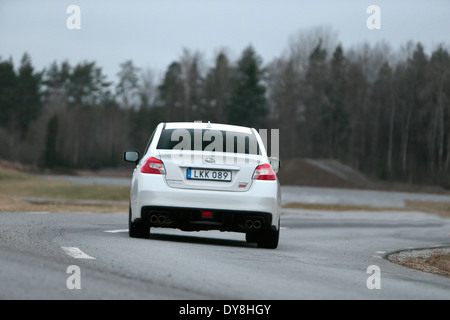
321 255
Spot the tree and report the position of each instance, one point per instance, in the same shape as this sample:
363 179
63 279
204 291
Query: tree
147 89
192 84
8 84
413 104
303 42
384 125
28 95
87 85
127 90
248 103
171 93
50 153
285 97
56 85
317 106
356 105
217 89
339 117
439 75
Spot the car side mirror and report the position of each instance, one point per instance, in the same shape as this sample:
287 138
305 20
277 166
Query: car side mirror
131 156
275 163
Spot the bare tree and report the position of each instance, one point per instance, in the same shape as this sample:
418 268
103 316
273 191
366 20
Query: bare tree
147 88
303 42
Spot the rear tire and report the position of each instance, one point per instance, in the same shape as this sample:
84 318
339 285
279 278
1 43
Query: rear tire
137 228
251 237
269 239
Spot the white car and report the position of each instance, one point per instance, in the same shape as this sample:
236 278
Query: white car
201 176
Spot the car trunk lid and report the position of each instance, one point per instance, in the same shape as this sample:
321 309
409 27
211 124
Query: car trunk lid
202 170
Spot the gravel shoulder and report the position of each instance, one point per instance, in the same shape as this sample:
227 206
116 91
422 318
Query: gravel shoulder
431 260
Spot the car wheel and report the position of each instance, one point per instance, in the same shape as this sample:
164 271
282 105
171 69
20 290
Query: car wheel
138 228
251 237
269 239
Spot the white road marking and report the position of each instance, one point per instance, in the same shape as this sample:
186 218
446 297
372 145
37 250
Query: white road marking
116 231
76 253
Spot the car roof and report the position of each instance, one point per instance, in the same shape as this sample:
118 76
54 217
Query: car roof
207 125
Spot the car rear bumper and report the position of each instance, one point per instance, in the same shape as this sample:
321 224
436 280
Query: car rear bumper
194 219
184 207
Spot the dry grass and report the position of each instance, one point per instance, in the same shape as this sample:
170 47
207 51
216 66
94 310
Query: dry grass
440 261
337 207
11 204
439 208
14 184
44 188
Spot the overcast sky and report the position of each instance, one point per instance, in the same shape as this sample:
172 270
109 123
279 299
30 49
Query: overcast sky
153 33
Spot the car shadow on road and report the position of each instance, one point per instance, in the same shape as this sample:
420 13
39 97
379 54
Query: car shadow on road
202 240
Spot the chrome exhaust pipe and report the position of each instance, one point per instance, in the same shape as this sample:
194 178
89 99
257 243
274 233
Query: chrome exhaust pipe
249 224
257 224
162 219
154 218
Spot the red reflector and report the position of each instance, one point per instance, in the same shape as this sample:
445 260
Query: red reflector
207 214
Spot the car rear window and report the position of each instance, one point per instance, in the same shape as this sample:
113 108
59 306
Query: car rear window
208 140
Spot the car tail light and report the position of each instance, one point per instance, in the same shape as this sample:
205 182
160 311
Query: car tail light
153 166
264 172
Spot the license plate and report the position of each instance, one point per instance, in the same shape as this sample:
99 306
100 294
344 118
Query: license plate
215 175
